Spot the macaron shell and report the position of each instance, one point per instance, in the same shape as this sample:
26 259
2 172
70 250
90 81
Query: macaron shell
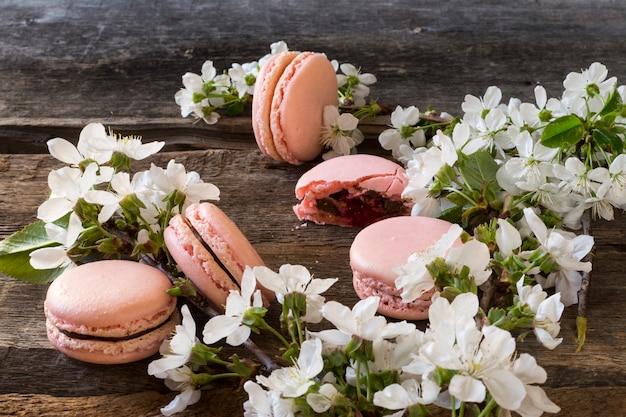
228 244
110 298
197 263
367 171
266 82
109 352
308 84
391 303
380 247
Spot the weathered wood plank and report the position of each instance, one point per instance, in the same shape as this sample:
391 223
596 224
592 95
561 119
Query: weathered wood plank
120 60
258 193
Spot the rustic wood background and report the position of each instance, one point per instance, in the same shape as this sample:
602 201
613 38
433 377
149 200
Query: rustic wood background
64 64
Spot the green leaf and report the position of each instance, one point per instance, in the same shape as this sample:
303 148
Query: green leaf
613 105
581 332
607 139
15 254
453 214
32 237
478 170
566 130
17 265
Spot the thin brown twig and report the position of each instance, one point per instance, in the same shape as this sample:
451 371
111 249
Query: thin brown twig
202 304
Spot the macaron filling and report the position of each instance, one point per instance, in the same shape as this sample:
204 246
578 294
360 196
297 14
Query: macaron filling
82 336
361 207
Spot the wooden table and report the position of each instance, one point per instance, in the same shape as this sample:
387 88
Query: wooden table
65 64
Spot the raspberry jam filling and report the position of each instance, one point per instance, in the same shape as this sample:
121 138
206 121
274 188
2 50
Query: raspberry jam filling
361 209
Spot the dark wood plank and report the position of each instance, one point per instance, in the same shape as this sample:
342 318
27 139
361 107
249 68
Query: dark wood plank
121 62
258 195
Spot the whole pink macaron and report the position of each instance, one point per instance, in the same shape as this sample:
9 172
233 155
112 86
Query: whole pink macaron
379 248
290 94
352 190
211 251
110 312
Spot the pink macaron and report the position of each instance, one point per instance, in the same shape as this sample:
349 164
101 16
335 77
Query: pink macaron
379 248
352 190
290 94
211 251
110 312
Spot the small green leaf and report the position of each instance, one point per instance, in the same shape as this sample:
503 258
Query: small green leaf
478 170
613 105
566 130
15 254
17 265
581 332
32 237
607 139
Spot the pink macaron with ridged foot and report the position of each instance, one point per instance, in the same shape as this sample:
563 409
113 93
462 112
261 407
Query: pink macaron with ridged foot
110 312
211 251
380 247
290 94
352 190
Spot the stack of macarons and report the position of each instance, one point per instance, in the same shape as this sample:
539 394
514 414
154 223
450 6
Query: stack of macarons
290 94
110 312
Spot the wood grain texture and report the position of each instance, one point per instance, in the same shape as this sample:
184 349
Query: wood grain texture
67 63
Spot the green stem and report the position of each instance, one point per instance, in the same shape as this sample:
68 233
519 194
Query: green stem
275 332
462 194
487 410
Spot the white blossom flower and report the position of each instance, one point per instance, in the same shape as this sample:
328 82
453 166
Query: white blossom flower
409 392
90 136
360 82
322 400
56 256
508 238
567 250
475 107
180 379
574 177
275 48
578 85
67 186
262 403
193 100
175 177
393 355
480 359
121 186
296 279
340 132
547 312
532 165
617 181
473 254
536 402
360 321
403 136
230 325
177 350
131 146
243 77
295 381
413 277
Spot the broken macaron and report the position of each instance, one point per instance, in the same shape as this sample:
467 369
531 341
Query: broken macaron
352 190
